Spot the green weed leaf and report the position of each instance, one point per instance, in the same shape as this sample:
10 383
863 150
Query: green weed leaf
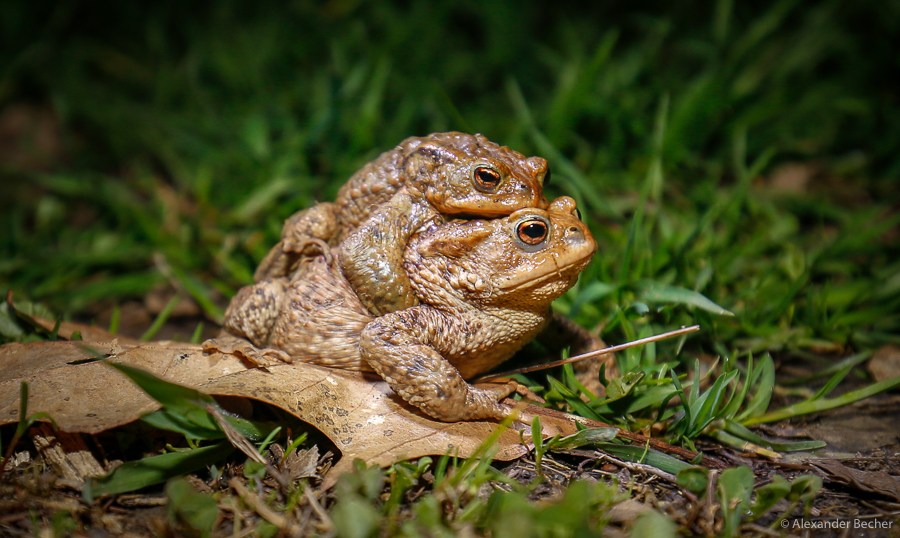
192 509
655 292
694 479
768 495
735 489
135 475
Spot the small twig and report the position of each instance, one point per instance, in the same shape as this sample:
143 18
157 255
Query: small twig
649 470
259 506
317 507
759 529
708 518
599 352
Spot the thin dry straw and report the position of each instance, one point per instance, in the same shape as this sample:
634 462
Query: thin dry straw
604 351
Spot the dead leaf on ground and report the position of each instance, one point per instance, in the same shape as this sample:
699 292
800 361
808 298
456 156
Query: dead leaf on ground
885 364
30 138
362 416
878 482
301 463
792 177
348 407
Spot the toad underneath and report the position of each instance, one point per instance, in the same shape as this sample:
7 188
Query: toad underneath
404 190
485 288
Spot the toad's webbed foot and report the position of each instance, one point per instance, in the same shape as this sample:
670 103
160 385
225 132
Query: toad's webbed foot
235 345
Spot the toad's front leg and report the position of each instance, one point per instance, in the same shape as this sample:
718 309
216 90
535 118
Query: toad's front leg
403 348
372 256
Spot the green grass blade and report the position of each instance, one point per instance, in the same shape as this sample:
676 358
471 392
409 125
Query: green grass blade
573 399
135 475
738 400
588 436
161 318
709 408
824 404
655 292
760 401
743 432
831 369
189 405
832 382
166 420
652 457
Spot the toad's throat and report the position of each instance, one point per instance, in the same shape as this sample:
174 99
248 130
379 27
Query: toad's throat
551 267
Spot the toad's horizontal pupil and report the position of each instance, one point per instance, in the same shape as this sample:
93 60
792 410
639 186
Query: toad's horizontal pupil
488 176
534 230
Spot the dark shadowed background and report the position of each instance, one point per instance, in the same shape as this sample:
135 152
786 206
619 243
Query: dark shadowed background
746 151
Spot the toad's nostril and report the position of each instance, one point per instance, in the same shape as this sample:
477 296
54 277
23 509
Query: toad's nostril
575 234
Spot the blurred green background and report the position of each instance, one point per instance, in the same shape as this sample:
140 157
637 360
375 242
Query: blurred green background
745 151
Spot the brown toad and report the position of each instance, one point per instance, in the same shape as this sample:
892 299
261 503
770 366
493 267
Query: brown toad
403 191
485 288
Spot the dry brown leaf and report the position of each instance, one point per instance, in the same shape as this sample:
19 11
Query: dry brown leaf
301 463
112 400
67 453
627 511
878 482
885 364
792 177
362 416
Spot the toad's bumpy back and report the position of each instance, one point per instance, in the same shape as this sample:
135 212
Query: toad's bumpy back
420 182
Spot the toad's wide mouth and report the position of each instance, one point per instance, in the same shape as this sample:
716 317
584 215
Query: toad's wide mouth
487 209
554 266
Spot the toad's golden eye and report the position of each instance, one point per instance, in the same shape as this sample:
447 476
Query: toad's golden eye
532 232
487 178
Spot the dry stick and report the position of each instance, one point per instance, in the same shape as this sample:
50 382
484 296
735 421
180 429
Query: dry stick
604 351
632 437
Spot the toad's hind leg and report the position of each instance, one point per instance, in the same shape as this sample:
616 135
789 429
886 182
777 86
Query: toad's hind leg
303 234
401 348
235 345
249 320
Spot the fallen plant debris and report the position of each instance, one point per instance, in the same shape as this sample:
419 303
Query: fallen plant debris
590 355
360 414
876 482
70 381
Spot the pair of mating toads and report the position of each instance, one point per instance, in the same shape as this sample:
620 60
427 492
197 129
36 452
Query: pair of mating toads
437 262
